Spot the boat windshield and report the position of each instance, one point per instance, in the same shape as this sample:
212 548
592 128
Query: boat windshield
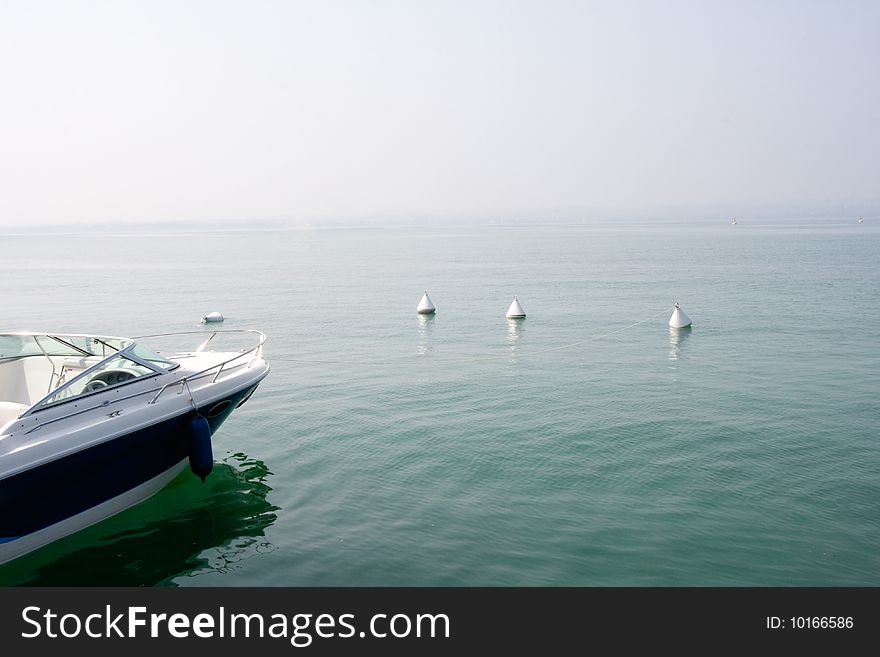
108 373
132 362
19 346
142 353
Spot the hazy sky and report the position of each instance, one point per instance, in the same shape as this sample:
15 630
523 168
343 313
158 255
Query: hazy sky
191 110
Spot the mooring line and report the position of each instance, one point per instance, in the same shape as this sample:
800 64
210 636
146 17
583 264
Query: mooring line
596 337
505 356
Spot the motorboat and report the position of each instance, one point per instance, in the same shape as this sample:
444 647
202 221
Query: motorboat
92 425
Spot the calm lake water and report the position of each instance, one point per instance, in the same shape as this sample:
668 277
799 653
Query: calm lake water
586 445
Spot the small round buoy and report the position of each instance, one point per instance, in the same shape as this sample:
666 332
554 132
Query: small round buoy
515 311
426 307
679 318
212 317
201 455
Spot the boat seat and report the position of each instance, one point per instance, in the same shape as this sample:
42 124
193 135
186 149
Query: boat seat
10 411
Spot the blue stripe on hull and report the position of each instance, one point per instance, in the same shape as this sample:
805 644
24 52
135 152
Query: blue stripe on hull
42 496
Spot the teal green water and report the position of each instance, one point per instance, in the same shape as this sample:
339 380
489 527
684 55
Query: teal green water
587 445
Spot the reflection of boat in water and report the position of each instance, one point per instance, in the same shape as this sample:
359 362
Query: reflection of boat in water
92 425
186 530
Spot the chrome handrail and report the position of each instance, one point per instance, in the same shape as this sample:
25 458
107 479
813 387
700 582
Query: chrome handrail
255 350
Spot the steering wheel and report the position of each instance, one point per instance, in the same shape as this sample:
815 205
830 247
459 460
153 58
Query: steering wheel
108 378
95 384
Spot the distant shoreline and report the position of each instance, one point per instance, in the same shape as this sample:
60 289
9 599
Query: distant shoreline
231 226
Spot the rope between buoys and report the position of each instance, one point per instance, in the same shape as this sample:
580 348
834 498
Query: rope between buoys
477 358
595 337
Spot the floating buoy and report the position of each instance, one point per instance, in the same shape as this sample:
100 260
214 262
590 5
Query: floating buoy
212 317
679 318
425 305
201 455
515 311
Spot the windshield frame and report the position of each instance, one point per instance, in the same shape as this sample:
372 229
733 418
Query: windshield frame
129 352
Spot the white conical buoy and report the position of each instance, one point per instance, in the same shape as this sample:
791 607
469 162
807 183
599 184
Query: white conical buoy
515 311
679 318
425 305
212 317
